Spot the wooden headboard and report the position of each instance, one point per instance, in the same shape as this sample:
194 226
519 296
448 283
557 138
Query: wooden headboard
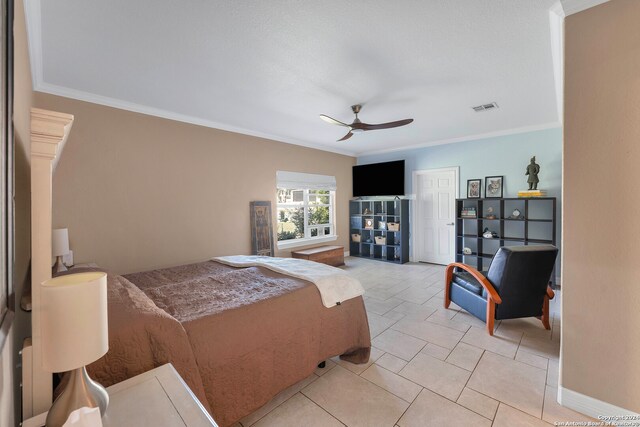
49 133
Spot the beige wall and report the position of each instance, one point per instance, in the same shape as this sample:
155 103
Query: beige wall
601 272
140 192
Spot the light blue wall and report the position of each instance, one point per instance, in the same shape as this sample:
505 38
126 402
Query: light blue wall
503 155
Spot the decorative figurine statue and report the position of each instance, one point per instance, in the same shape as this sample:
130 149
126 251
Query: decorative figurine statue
490 214
488 234
533 169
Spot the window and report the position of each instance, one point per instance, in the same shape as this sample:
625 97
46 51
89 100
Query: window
305 210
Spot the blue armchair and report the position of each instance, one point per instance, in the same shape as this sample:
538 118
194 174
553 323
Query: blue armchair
515 286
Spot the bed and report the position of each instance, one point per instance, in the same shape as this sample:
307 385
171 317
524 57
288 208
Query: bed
238 336
235 343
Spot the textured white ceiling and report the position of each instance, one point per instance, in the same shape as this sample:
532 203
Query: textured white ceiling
269 68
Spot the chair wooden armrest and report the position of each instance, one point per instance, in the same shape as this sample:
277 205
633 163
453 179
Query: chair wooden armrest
492 296
491 291
546 320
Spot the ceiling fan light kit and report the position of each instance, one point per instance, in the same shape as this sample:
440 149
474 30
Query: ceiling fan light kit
359 126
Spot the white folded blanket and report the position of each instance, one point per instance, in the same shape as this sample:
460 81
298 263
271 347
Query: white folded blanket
335 285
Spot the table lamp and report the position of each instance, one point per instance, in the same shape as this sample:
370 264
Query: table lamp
74 334
59 248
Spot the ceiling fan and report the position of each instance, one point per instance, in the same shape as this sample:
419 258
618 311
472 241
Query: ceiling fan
358 126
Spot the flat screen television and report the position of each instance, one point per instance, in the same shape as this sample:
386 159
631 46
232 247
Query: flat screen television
379 179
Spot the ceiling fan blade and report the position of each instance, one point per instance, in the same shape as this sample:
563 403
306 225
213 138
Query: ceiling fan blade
332 120
366 126
347 136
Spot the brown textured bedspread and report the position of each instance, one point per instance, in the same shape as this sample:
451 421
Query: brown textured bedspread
252 332
142 337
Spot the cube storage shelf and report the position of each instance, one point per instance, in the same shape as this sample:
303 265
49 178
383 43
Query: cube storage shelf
369 220
537 225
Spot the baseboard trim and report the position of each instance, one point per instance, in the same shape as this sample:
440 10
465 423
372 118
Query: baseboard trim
590 405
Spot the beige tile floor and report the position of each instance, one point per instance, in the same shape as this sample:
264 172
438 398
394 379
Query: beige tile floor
429 366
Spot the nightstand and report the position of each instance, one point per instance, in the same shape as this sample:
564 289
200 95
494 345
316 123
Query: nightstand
158 398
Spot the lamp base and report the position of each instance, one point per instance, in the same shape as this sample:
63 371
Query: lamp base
79 392
59 266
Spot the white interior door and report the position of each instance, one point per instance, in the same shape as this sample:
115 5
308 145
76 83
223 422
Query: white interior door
434 237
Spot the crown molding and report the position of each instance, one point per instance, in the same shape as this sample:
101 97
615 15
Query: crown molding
574 6
514 131
66 92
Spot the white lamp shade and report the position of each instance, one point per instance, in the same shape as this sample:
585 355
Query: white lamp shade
74 321
60 242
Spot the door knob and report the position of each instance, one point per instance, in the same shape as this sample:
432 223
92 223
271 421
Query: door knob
451 224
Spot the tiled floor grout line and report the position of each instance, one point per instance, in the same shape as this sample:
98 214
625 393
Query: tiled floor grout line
544 397
398 373
519 344
402 376
381 388
485 395
422 388
465 386
421 339
520 410
382 367
284 401
315 403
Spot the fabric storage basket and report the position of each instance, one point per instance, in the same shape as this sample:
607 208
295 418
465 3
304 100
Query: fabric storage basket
355 238
393 226
381 240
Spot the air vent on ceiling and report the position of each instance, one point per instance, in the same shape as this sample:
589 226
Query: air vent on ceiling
485 107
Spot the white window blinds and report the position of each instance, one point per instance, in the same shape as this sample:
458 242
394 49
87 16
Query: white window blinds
304 181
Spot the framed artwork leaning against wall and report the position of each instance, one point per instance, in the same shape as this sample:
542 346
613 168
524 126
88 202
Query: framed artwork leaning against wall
261 228
473 188
494 187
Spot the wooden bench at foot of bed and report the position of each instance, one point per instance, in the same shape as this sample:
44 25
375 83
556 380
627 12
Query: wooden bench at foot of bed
330 255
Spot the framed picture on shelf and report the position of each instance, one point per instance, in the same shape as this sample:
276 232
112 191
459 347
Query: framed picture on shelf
473 188
368 224
493 187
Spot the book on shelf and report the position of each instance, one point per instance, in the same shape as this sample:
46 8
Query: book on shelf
468 212
532 193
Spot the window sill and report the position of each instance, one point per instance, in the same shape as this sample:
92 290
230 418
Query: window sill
294 243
